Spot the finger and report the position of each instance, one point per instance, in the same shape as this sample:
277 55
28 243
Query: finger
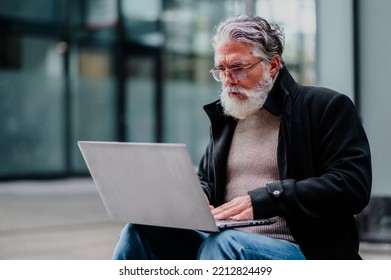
222 210
232 208
227 214
244 215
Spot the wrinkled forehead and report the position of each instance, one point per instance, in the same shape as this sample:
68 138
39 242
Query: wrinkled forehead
233 51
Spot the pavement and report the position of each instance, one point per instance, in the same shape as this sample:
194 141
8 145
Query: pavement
66 220
54 220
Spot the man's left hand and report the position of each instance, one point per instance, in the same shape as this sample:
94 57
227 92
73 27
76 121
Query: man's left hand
238 209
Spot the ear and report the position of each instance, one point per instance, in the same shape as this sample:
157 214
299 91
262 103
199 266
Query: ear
275 64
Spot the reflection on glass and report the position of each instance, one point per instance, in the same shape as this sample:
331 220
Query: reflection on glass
94 99
140 101
31 109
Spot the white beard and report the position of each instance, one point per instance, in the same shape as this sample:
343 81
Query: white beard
240 109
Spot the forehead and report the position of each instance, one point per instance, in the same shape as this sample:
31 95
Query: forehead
229 52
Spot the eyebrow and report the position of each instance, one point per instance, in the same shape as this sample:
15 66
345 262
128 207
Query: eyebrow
233 65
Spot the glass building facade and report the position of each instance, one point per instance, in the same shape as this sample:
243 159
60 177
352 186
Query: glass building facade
118 70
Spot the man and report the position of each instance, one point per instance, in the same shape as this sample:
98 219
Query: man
277 149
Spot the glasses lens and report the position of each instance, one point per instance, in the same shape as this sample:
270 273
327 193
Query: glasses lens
217 75
238 73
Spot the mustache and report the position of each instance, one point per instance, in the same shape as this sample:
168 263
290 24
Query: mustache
234 89
248 93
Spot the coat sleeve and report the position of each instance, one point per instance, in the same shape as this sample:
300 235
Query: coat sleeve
205 176
342 187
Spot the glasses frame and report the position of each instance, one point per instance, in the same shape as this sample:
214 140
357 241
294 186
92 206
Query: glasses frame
217 75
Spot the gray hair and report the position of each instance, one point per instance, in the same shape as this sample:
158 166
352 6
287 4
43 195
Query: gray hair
267 38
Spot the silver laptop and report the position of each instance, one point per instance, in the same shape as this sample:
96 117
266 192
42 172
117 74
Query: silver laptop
152 184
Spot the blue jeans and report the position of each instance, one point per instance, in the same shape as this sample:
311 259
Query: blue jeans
138 242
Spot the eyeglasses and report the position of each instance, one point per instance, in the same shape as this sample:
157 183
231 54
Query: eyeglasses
237 73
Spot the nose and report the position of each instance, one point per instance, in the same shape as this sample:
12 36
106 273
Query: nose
230 79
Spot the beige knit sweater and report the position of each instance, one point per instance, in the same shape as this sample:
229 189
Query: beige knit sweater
252 163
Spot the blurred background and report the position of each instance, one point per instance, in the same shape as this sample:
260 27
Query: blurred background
128 70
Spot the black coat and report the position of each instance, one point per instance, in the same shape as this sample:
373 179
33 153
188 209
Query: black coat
323 161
